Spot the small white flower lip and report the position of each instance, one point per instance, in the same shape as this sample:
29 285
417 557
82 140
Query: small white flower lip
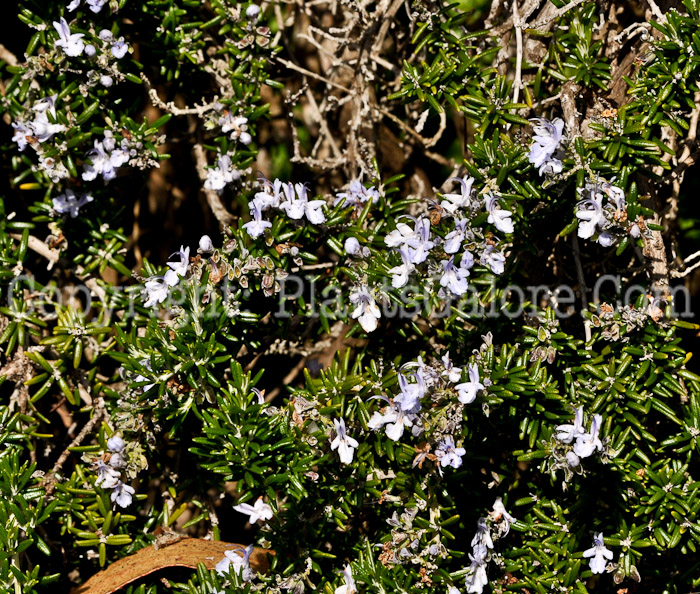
259 511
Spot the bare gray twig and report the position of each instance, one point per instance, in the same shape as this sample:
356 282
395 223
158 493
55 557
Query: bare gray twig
36 245
98 414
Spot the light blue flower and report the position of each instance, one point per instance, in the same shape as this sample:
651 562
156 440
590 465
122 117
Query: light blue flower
47 104
237 561
259 511
416 241
418 250
402 236
448 454
598 554
95 5
483 534
568 432
454 278
104 158
270 196
395 419
71 43
494 259
545 152
356 195
157 289
454 374
411 393
183 261
297 204
477 579
454 239
43 129
590 213
121 495
107 476
400 273
22 131
467 390
119 48
587 443
349 586
345 444
237 125
70 203
497 216
453 202
224 173
366 311
257 226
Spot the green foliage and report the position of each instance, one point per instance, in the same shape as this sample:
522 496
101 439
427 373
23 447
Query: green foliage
140 397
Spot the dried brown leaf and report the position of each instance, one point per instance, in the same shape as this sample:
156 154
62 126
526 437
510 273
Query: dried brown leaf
187 552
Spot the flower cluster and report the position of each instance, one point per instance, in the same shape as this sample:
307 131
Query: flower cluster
415 244
412 244
401 411
380 456
158 287
40 128
356 195
618 323
236 126
441 385
223 174
292 199
404 548
602 213
482 546
448 454
584 443
94 5
105 158
109 472
104 52
41 120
